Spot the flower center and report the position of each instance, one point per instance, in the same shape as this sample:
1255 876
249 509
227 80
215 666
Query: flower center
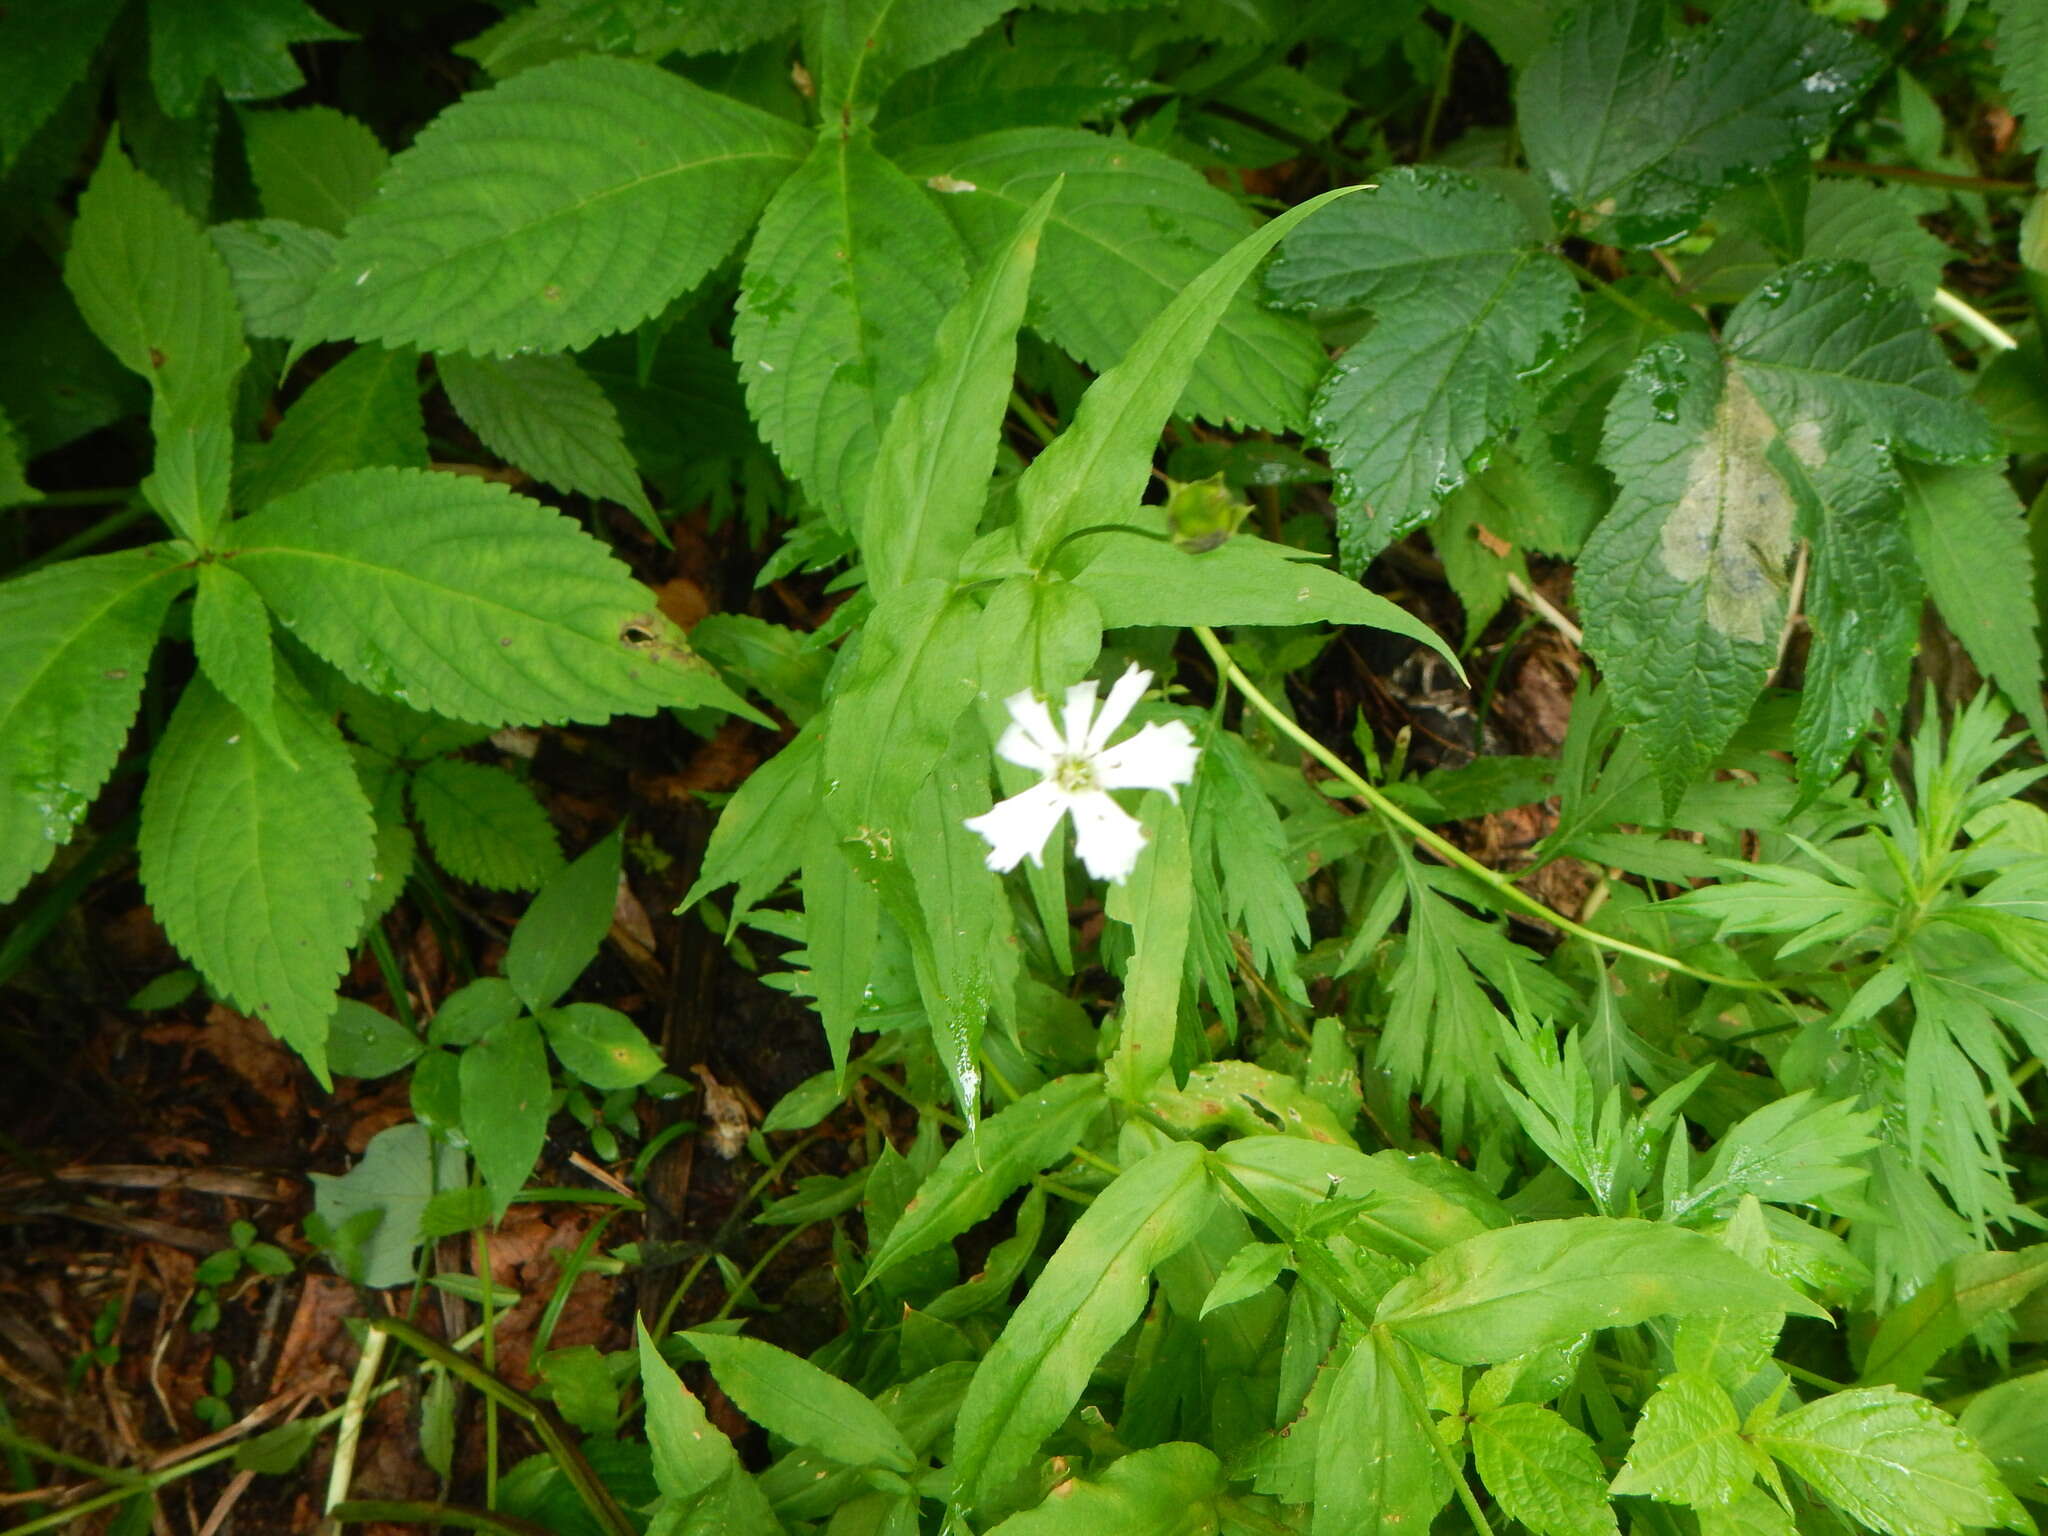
1075 775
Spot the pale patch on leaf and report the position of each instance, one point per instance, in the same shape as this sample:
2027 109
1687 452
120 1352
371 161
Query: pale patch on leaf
1732 529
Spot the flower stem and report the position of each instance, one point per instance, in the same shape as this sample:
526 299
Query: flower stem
1509 893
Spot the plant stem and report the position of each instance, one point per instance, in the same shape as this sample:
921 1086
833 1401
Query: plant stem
1924 178
1440 90
402 1512
1449 852
1975 319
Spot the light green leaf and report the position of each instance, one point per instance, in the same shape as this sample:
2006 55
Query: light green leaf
1855 221
2023 64
361 1042
1897 1464
1968 1290
1542 1471
1469 306
979 1172
1158 904
258 871
644 182
1245 1273
559 935
313 165
45 52
1688 1447
402 1169
931 471
545 415
759 840
151 285
363 413
1638 132
789 1396
1398 1485
1406 1216
469 1013
1245 580
600 1046
458 597
857 47
1090 1291
1969 532
703 1485
505 1093
245 45
188 484
848 277
1128 243
1166 1490
75 641
842 922
274 265
2005 1420
484 825
1514 1291
231 634
1793 1151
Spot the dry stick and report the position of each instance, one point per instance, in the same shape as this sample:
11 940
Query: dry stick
1448 851
1547 611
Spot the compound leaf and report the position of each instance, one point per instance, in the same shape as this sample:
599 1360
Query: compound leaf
1468 306
631 184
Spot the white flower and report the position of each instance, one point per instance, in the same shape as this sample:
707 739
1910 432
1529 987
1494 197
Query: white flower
1080 768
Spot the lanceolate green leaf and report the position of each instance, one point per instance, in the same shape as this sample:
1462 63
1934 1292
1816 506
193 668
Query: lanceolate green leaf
1514 1291
1398 1484
847 278
362 413
1896 1463
856 47
1096 470
458 597
258 871
1088 1294
1941 1314
231 634
75 642
1968 529
1158 902
695 1465
559 934
931 474
549 418
979 1172
649 181
1133 230
806 1406
1406 1216
759 840
1468 306
1638 133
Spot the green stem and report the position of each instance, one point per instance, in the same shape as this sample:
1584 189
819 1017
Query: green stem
1510 894
1418 1406
402 1512
746 1285
1440 91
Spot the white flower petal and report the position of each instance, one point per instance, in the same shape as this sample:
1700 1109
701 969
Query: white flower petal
1032 731
1123 698
1019 826
1158 757
1106 836
1080 707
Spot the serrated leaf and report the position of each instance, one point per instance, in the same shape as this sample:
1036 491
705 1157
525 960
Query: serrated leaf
1791 1152
362 413
1898 1464
600 1046
1854 221
1245 1273
274 265
759 840
930 481
702 1483
2022 54
803 1404
75 642
559 934
313 166
505 1093
400 1172
1638 133
1399 1485
245 45
44 53
1133 229
151 285
643 183
979 1172
857 47
1164 1490
848 277
1405 1214
484 825
258 871
842 922
1517 1290
1542 1471
1688 1447
545 415
1090 1291
1468 307
460 598
1969 532
231 634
